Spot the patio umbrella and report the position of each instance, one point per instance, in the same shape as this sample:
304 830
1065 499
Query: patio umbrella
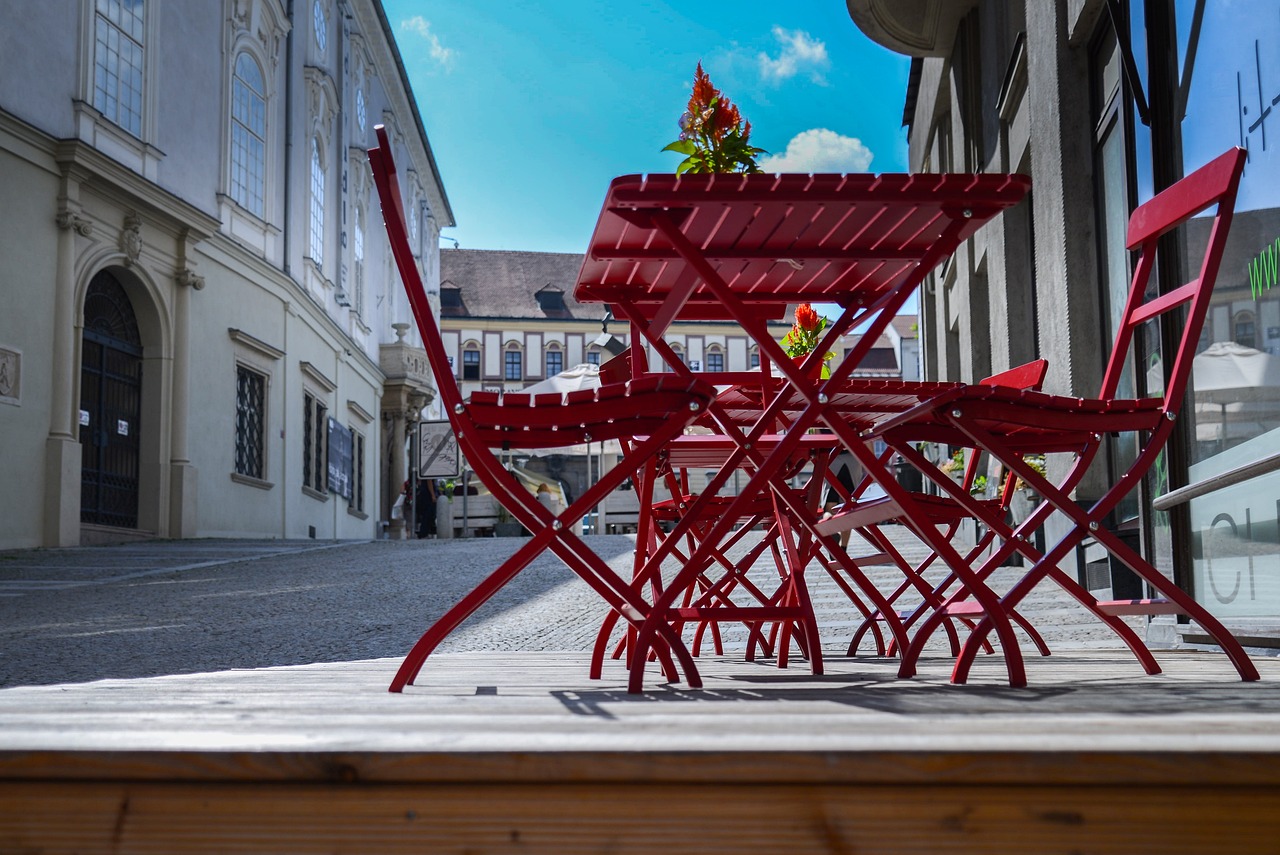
584 376
1237 391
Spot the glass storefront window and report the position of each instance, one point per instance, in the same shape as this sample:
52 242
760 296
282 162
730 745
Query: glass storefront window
1232 98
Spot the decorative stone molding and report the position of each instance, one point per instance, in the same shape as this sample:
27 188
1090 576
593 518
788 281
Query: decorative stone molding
264 21
188 277
131 239
69 220
255 344
322 100
911 27
316 376
359 412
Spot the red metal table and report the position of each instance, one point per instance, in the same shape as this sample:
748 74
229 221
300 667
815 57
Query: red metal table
743 247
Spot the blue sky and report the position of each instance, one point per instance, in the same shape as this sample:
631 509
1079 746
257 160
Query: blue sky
531 108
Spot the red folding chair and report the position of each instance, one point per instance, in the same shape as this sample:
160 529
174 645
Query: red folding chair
646 412
1011 423
866 517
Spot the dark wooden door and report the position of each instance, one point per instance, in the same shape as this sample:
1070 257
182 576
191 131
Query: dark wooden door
110 405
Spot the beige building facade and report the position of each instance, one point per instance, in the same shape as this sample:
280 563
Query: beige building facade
197 336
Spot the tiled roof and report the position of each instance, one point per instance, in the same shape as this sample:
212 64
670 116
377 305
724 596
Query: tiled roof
514 284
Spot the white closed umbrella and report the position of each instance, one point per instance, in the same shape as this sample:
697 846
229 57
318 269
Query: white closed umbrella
583 376
1236 387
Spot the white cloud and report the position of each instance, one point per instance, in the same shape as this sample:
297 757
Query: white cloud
419 25
820 150
800 52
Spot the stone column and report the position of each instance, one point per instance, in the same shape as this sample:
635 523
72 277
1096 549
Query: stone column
395 469
183 492
62 447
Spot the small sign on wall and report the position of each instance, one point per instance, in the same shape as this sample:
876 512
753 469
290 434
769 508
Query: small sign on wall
122 427
84 418
10 376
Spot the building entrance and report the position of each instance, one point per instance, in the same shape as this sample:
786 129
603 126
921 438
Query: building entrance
110 405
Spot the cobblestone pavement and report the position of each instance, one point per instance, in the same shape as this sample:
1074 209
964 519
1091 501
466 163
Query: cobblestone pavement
74 615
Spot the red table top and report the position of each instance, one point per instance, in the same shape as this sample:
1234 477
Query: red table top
778 239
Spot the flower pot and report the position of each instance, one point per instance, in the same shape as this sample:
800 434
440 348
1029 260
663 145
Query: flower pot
814 373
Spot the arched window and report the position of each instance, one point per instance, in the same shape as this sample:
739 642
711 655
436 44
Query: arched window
471 361
678 350
1244 329
715 358
317 203
513 362
554 360
248 135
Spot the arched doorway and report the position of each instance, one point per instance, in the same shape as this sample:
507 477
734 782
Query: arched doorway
110 406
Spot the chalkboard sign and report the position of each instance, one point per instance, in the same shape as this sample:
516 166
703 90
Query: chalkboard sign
339 459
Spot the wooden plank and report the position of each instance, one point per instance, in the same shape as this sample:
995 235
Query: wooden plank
574 818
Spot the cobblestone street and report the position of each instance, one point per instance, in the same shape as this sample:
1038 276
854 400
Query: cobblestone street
152 609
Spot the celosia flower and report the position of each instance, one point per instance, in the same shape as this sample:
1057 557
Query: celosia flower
713 135
805 333
808 319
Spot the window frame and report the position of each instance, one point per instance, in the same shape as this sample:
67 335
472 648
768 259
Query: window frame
108 103
513 355
468 349
317 190
242 428
315 445
552 351
235 123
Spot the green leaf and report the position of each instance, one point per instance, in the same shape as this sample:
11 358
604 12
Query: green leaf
685 147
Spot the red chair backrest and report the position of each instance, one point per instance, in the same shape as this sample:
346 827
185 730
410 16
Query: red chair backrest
384 177
1215 183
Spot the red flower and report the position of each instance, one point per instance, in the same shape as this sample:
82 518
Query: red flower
703 90
713 135
807 318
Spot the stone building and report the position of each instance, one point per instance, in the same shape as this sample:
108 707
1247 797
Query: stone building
1104 103
197 335
509 320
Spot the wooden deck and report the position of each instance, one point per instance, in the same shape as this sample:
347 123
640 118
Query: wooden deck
521 753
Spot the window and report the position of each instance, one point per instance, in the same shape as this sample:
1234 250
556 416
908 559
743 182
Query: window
317 203
679 355
250 421
361 116
555 362
1244 329
551 302
451 304
117 62
315 418
715 360
593 357
471 364
356 503
357 258
248 134
321 25
755 357
513 364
